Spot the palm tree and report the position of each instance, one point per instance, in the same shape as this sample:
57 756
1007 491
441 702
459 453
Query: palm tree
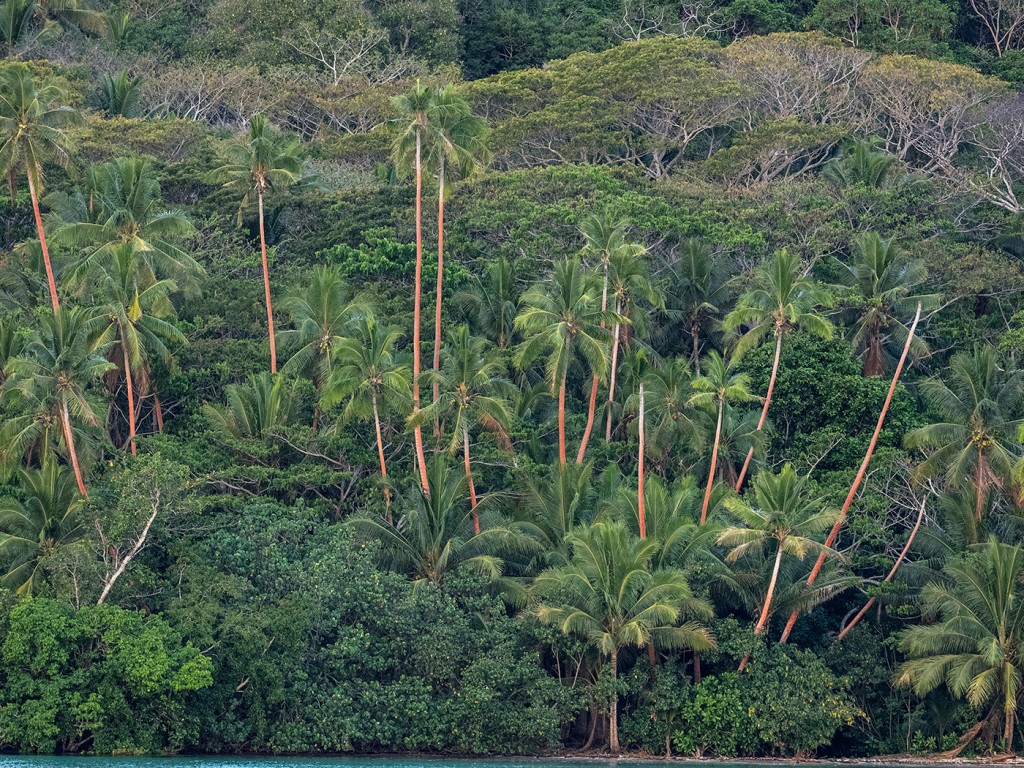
120 94
713 390
49 384
256 409
976 646
696 287
434 535
862 163
671 417
560 318
455 151
608 595
258 162
782 512
884 297
407 150
629 281
135 306
469 388
976 441
783 299
552 505
491 302
368 377
31 123
36 525
24 22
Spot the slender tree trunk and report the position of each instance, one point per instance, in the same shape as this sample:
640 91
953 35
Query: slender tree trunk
895 567
469 480
69 438
42 244
695 356
611 383
417 431
764 410
714 461
440 278
592 407
1010 717
860 472
380 454
561 420
131 396
613 710
761 622
640 471
979 487
159 412
697 675
266 284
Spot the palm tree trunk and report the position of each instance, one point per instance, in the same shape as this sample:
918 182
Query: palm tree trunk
417 431
159 412
592 408
69 438
440 278
895 567
767 600
764 410
695 356
42 244
1010 716
979 486
714 461
266 284
611 383
561 420
469 480
613 710
380 454
640 470
860 472
131 396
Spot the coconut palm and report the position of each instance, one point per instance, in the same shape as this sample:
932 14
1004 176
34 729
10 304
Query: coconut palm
491 302
256 409
470 388
884 297
121 93
49 383
782 300
25 22
36 523
261 161
713 390
608 595
32 119
672 426
782 514
976 442
368 377
561 319
554 504
407 151
862 163
976 644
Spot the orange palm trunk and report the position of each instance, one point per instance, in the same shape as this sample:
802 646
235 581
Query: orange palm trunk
714 462
380 454
764 410
421 459
266 284
469 480
42 244
592 407
69 439
611 384
440 283
131 398
640 471
561 421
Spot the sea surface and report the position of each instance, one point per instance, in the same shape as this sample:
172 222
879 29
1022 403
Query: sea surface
13 761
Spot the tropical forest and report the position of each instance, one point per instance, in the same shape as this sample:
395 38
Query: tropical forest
512 377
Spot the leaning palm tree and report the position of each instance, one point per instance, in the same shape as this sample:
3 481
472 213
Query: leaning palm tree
261 161
713 390
884 287
36 523
783 514
407 151
782 300
560 319
49 385
976 644
368 377
470 387
608 595
977 439
32 119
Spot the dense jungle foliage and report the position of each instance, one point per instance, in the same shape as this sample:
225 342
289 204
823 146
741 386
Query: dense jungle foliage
504 377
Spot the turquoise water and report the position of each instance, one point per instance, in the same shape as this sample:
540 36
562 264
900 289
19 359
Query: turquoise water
13 761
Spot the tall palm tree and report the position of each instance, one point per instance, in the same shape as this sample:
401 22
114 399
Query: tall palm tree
414 110
976 442
31 122
782 514
884 287
456 151
629 282
976 645
258 162
368 377
470 387
36 523
491 302
49 383
560 319
713 390
608 595
783 299
434 535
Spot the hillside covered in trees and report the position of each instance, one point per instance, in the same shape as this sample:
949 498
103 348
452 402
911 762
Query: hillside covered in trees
505 377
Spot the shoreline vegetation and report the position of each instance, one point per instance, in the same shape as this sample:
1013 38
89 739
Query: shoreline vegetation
559 377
